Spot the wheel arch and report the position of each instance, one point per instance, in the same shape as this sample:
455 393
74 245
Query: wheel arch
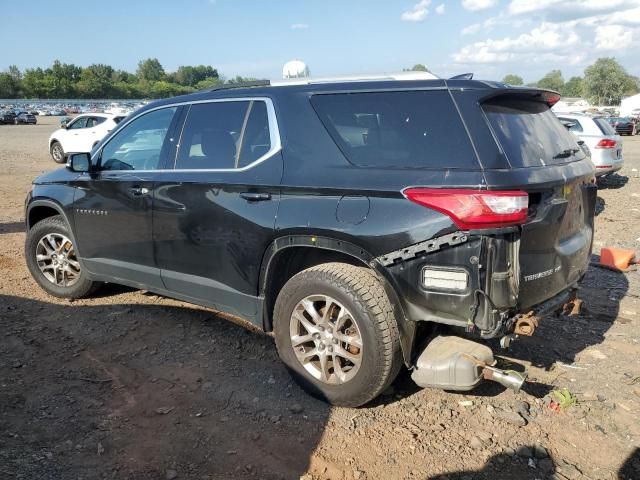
289 255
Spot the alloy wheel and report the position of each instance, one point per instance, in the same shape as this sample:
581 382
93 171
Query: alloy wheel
56 259
57 153
326 339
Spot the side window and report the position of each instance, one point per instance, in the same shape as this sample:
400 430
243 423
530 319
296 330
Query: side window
93 121
224 135
211 135
79 123
256 139
403 129
138 145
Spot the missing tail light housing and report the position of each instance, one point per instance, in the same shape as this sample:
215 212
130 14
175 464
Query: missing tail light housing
474 209
606 143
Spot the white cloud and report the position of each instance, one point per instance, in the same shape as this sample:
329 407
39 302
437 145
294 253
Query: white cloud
417 13
572 8
471 29
475 5
440 9
546 40
612 37
299 26
549 32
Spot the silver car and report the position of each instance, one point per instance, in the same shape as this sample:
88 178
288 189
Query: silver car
601 138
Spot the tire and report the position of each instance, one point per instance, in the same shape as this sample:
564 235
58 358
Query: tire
370 317
57 152
68 286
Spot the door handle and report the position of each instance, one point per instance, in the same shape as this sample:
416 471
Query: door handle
138 191
255 197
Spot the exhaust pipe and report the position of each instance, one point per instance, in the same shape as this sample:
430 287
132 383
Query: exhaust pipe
507 378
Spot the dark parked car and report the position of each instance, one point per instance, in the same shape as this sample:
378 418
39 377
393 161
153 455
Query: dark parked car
368 224
25 118
623 125
7 118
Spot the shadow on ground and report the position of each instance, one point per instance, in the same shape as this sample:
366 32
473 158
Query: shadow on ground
12 227
521 467
562 337
145 391
612 181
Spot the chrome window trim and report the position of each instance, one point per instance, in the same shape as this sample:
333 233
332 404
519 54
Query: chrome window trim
274 135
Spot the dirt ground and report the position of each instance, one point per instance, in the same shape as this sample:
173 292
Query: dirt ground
127 384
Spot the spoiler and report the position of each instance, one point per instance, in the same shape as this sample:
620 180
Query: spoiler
549 97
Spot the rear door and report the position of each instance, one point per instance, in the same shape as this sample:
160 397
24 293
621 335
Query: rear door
214 213
544 160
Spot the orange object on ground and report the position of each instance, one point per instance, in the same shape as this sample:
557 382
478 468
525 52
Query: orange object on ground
617 258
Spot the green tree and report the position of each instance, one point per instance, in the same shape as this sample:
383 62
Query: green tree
11 83
191 76
96 81
418 67
573 87
512 79
551 81
605 82
150 70
65 77
36 83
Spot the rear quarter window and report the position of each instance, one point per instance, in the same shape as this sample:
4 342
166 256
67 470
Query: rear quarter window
604 126
409 129
530 134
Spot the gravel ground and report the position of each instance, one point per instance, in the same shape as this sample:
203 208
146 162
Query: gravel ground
127 384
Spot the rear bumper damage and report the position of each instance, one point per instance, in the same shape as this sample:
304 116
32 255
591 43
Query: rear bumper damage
455 363
486 302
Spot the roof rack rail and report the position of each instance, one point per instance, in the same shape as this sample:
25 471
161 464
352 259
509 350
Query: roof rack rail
226 86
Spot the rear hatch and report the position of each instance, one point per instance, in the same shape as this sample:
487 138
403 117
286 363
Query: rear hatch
544 160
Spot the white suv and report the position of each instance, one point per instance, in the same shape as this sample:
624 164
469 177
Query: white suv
601 138
81 134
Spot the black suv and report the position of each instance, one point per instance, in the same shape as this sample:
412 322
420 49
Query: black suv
364 223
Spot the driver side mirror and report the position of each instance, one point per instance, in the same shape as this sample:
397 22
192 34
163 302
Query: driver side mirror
79 162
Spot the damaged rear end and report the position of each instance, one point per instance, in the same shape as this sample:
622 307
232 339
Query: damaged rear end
523 236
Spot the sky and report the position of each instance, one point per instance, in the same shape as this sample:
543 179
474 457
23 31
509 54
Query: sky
256 37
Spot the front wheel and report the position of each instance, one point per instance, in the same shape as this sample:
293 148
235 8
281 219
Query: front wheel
335 330
53 262
57 153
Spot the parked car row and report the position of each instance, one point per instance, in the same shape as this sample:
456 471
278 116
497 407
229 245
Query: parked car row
12 118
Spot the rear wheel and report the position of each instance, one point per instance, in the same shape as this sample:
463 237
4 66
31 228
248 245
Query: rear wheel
53 261
335 330
57 153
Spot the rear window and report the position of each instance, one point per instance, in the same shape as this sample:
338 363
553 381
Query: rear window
604 126
530 134
416 129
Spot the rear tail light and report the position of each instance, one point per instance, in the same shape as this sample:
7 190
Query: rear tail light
606 143
474 209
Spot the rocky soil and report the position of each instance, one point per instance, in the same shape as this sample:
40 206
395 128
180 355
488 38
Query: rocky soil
130 385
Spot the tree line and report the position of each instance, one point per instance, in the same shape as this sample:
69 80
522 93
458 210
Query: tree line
606 82
66 80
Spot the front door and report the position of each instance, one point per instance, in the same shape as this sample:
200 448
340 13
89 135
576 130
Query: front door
214 214
75 132
113 205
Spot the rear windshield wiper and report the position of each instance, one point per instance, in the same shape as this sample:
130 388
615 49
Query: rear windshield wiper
567 153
